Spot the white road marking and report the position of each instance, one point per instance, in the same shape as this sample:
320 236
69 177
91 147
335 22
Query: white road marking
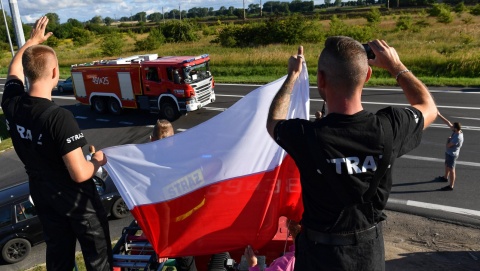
102 120
413 157
81 117
126 123
432 206
465 118
215 108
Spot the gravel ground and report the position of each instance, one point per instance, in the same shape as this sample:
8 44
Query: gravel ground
418 243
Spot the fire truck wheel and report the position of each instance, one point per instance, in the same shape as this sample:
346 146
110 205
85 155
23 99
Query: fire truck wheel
169 111
114 107
99 105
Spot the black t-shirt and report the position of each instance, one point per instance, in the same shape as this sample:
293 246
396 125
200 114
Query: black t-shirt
40 148
353 145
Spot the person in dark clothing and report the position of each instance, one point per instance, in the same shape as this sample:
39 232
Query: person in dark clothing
345 158
49 142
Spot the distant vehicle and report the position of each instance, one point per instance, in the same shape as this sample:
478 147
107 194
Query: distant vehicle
20 227
169 85
66 85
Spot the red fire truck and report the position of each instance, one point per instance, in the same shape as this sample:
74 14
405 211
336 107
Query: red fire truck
169 85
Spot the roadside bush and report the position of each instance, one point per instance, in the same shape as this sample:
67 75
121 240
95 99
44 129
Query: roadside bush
467 20
404 22
373 16
112 44
81 36
445 17
179 31
460 7
153 41
438 9
52 42
360 33
291 30
475 10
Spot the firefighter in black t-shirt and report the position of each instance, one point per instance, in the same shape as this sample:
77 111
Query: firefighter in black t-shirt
49 142
345 158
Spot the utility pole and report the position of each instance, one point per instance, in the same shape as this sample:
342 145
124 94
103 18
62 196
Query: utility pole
260 8
180 12
6 28
163 13
244 18
17 23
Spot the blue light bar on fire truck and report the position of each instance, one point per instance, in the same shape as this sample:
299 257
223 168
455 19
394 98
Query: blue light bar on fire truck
195 58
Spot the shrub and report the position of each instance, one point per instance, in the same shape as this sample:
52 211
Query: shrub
112 44
52 42
179 31
445 17
467 20
460 7
404 22
438 9
373 16
81 36
475 10
153 41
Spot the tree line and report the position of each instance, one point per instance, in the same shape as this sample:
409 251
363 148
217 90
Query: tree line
275 30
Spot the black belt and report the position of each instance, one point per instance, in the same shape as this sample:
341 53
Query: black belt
343 239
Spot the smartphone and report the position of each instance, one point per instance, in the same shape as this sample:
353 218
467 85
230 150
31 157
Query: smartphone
368 50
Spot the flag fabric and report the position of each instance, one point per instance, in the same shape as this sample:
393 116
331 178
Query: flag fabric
218 186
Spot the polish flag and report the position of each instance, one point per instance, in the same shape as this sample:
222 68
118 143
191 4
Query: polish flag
219 186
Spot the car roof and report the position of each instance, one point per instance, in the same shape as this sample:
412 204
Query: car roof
14 192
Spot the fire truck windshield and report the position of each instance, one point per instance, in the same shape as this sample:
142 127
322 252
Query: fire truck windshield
197 72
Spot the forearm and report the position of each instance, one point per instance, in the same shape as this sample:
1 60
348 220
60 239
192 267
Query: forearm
81 170
447 122
280 104
417 95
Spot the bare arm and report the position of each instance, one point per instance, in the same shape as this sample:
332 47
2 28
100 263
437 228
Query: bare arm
447 122
416 92
79 168
37 36
279 107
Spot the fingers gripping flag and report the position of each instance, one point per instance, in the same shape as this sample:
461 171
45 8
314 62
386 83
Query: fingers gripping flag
218 186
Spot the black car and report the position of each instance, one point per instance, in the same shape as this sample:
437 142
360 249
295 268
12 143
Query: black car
20 227
111 199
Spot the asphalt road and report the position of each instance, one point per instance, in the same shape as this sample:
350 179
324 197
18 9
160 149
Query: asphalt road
414 190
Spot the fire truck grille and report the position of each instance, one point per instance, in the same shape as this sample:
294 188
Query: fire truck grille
203 93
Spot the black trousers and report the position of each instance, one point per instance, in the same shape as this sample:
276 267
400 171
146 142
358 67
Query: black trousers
68 215
311 256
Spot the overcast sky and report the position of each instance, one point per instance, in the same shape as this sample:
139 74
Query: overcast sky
84 10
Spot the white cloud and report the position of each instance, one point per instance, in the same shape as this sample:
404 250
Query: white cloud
31 10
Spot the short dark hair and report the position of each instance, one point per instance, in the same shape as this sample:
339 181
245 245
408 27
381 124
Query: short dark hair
457 125
343 61
35 61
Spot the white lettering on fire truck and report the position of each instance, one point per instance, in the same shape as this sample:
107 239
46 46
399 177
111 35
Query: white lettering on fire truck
100 80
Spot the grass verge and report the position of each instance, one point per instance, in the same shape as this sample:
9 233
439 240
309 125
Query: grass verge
5 140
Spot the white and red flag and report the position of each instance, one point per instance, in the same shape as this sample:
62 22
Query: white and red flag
218 186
